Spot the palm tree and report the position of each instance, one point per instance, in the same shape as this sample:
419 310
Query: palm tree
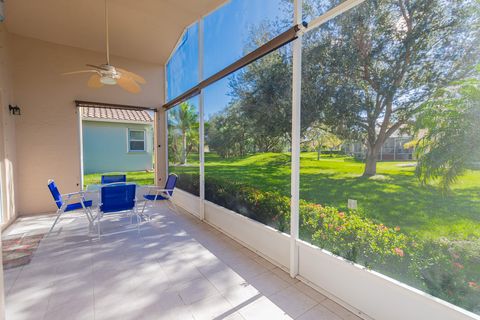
185 120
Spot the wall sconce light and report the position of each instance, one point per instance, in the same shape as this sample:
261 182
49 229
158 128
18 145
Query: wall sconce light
14 110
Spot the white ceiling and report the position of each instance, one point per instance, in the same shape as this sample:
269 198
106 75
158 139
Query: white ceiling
145 30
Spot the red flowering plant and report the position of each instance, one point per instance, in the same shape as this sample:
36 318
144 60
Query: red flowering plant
350 235
450 270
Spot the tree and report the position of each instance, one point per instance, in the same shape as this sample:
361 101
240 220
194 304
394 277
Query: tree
368 71
183 123
448 131
318 136
258 117
228 134
365 74
262 95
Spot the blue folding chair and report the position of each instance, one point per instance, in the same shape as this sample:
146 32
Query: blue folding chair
65 203
113 178
156 193
117 198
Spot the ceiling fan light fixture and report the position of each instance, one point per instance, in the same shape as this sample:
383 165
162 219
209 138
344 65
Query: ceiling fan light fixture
108 80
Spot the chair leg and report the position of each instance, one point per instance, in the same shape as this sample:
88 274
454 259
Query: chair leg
59 213
152 206
98 224
144 205
88 214
147 216
137 216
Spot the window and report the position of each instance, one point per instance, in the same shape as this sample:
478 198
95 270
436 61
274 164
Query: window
182 68
183 145
362 195
229 31
248 134
136 140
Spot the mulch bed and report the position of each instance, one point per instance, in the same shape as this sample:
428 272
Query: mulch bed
18 252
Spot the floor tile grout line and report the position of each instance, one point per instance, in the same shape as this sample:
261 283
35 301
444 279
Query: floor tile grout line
15 280
309 309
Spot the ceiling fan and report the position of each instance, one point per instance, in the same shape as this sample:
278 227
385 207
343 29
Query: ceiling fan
106 74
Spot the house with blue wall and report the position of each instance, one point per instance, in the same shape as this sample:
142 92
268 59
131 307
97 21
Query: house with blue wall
117 140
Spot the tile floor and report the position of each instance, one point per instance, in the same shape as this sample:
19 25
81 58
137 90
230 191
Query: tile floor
176 268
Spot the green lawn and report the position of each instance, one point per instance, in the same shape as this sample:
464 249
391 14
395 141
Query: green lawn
139 177
393 197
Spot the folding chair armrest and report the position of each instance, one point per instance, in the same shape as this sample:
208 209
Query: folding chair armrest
164 190
72 194
149 187
82 192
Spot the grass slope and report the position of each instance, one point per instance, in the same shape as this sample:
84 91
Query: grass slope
393 197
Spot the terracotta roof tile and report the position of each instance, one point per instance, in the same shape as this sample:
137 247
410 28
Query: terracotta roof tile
116 114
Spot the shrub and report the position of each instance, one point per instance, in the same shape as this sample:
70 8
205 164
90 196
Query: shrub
443 268
347 234
269 208
450 270
189 182
350 235
333 152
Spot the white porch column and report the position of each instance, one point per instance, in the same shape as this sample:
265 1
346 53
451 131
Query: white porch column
161 144
295 175
201 100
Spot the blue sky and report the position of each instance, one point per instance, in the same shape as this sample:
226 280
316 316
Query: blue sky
226 34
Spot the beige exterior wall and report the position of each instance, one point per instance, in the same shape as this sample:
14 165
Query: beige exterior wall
7 150
7 133
47 141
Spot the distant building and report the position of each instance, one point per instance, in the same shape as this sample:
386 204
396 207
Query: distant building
116 140
392 149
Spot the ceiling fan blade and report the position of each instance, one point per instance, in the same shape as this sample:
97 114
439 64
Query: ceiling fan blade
80 71
128 84
132 75
94 81
97 67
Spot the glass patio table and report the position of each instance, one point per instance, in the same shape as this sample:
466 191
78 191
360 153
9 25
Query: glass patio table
94 189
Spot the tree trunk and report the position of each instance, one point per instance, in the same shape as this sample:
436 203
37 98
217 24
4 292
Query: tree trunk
319 152
184 148
371 161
